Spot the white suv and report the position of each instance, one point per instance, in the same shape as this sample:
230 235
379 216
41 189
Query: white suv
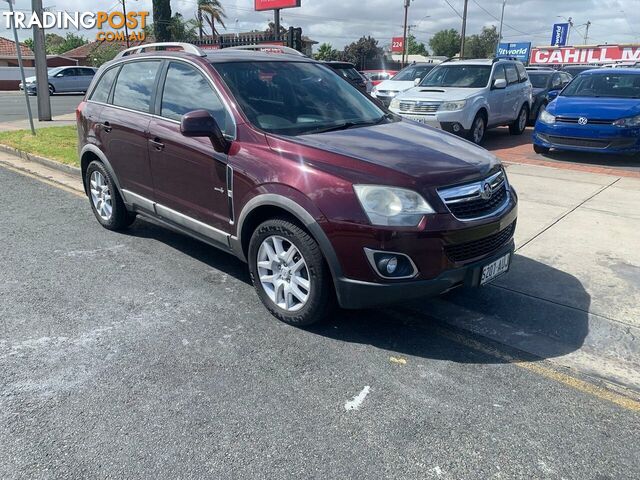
466 97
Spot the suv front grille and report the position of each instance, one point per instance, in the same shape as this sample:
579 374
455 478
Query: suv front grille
479 248
419 107
478 199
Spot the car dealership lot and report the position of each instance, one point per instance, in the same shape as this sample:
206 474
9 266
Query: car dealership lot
148 354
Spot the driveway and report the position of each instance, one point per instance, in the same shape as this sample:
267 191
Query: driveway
146 354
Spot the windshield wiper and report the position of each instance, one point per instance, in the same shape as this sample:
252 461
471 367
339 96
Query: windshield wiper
347 125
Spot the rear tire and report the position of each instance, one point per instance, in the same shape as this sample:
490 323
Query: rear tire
298 296
520 123
540 150
52 90
106 202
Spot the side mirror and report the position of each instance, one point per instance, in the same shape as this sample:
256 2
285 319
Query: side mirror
416 82
500 83
552 94
200 123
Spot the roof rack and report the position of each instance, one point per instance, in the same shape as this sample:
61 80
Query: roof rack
185 47
268 48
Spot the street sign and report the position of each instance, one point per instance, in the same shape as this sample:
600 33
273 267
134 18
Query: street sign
261 5
560 33
397 44
520 51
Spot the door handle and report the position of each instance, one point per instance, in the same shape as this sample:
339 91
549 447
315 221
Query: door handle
158 145
106 126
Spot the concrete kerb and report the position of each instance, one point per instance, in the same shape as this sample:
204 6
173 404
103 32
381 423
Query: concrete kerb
41 160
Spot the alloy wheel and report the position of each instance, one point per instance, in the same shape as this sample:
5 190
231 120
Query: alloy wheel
522 119
101 195
478 130
283 273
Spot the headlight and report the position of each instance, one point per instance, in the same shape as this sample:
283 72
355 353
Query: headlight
450 106
392 206
628 122
395 103
546 117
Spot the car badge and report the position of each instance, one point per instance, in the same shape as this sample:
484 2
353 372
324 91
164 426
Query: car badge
583 120
486 192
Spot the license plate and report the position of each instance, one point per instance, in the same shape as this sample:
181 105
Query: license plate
495 269
423 119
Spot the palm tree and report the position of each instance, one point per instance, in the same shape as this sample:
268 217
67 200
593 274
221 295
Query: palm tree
211 11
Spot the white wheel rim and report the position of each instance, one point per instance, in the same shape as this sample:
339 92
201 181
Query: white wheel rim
100 195
478 132
283 273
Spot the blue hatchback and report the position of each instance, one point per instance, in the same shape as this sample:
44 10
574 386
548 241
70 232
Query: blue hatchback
599 111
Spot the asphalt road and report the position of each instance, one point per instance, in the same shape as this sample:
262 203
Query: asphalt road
147 355
12 105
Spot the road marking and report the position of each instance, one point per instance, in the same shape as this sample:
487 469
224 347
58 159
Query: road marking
355 403
42 179
539 369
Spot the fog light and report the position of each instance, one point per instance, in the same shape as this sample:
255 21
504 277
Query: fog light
392 264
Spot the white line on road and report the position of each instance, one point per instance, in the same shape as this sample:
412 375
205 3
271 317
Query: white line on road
355 403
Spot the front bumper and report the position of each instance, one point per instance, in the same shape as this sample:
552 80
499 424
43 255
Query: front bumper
587 138
356 294
458 121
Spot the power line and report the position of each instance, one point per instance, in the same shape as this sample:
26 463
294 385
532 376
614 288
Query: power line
453 8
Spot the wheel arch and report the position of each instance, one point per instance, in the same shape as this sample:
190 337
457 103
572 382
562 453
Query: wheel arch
90 153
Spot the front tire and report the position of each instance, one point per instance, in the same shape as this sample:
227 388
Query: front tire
51 90
290 274
478 129
540 150
106 202
520 123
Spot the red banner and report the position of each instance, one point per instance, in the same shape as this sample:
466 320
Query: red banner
601 54
275 4
397 44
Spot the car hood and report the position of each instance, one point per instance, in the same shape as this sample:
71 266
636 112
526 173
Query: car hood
423 156
394 85
438 93
600 108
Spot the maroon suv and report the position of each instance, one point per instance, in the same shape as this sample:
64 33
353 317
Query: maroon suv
280 161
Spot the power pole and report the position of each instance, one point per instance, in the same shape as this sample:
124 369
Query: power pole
42 78
586 33
404 41
126 29
570 20
276 22
21 66
464 28
504 2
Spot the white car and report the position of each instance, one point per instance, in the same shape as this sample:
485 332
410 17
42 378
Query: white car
467 97
401 81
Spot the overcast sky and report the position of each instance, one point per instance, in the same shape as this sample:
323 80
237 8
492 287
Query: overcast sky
343 21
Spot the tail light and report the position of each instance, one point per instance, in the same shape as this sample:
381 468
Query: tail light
79 110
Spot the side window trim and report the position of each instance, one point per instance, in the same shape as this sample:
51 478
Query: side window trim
158 88
98 80
113 85
160 91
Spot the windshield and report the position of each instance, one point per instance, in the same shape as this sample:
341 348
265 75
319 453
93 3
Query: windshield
350 73
52 71
539 80
296 98
462 76
600 85
409 74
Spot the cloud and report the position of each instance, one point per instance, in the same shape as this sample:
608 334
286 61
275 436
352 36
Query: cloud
342 21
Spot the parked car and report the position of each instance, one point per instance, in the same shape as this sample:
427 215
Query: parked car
379 76
63 79
599 111
404 80
275 159
469 96
575 70
348 71
543 83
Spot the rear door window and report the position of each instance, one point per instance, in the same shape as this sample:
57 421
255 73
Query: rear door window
512 73
186 89
101 92
522 73
134 85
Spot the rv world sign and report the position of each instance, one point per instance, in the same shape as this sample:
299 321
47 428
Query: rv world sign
601 54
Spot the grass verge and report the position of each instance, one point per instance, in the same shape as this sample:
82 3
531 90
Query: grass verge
56 143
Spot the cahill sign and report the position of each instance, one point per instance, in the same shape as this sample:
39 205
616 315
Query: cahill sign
580 55
108 23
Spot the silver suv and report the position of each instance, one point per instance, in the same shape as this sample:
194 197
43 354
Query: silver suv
466 97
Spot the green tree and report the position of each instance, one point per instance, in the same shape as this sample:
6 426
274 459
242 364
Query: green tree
103 53
482 45
416 48
210 11
327 53
70 42
28 43
52 43
364 53
162 20
183 30
445 43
